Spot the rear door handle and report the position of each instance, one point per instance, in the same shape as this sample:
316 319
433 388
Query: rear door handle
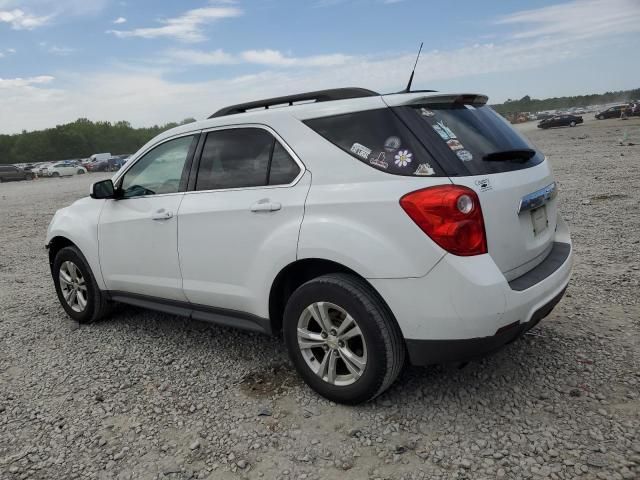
267 206
162 215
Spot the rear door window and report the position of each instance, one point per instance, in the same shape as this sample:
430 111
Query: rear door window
244 157
379 139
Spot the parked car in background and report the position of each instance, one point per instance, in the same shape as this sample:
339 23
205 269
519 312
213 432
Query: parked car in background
64 169
9 173
450 245
97 165
561 121
612 112
39 168
116 162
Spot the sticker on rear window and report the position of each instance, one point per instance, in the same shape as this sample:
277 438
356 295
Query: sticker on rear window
424 169
454 144
447 131
440 131
464 155
425 112
361 150
403 158
392 143
379 161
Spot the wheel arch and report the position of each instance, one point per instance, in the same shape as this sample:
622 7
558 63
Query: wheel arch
300 272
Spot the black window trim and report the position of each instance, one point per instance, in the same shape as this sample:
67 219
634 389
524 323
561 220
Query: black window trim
191 188
197 134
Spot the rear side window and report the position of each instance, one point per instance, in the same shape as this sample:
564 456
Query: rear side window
475 138
379 139
244 157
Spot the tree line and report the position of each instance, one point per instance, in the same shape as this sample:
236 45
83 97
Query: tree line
78 139
528 104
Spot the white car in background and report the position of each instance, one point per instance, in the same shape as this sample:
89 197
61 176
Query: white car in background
365 229
63 169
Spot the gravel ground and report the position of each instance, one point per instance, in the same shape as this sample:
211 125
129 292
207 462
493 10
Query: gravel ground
146 395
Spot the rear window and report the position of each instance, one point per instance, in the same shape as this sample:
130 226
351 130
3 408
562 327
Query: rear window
467 135
379 139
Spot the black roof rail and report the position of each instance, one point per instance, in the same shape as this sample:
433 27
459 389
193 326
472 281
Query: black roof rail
319 96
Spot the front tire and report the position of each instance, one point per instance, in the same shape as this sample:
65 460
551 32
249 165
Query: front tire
80 171
342 338
55 174
76 287
572 124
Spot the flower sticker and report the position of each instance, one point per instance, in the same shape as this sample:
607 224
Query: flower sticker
403 158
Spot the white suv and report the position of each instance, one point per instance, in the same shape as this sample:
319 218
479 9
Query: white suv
364 228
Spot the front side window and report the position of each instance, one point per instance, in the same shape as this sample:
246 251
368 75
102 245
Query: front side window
244 157
160 170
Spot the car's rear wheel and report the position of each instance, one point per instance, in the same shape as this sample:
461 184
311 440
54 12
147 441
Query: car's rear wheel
76 287
342 339
55 174
80 171
572 124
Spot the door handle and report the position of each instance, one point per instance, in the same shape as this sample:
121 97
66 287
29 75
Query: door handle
162 215
265 206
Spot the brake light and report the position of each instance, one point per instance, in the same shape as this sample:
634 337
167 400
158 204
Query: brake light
451 216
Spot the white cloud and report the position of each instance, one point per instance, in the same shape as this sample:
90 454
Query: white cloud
188 27
576 19
56 50
120 20
20 20
13 83
277 59
269 58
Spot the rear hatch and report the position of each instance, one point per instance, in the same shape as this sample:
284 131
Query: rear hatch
479 149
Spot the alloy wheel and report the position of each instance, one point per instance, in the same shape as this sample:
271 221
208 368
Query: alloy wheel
73 286
332 343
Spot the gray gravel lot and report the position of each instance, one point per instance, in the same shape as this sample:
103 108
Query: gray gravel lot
147 395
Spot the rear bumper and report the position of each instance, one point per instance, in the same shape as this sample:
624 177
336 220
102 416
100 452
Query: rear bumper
428 352
465 308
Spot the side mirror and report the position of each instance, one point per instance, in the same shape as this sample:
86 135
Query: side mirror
102 189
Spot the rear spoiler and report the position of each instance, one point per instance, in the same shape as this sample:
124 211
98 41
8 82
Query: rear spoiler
407 100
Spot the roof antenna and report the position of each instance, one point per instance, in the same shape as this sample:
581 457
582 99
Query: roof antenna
408 89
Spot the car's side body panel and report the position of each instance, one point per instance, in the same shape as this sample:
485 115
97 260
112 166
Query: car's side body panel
229 254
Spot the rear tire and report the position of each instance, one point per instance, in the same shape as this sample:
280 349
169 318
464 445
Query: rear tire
55 174
363 352
572 124
80 171
76 287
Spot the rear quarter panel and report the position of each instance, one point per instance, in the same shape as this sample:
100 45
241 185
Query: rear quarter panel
353 215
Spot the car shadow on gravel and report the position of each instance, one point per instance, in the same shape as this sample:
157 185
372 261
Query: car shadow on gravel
260 368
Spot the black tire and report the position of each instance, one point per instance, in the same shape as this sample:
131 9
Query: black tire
55 174
572 124
80 171
379 331
98 305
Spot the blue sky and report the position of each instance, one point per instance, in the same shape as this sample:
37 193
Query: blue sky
157 61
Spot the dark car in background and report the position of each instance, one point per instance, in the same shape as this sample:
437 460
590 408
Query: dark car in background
10 173
612 112
561 121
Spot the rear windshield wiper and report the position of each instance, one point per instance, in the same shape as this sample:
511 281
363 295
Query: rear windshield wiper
520 155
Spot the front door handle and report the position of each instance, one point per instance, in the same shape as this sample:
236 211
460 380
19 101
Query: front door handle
162 215
265 206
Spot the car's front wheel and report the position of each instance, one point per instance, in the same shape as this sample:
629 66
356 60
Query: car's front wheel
80 171
76 287
572 124
342 338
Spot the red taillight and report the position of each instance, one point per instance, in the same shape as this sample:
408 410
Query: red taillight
451 216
